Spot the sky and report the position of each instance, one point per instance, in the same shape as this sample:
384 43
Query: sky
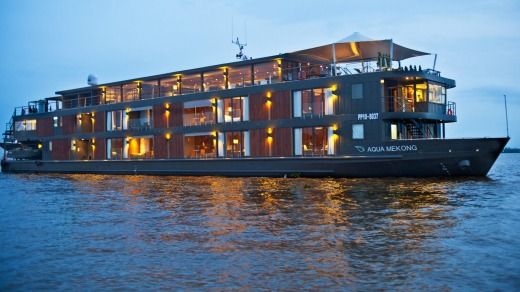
52 45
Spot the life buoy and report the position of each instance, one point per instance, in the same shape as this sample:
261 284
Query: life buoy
450 112
302 75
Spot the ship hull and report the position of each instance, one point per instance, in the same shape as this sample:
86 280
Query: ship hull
411 158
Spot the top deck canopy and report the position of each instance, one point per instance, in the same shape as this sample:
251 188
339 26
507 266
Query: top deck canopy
358 47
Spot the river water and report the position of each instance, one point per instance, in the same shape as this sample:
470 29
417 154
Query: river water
100 232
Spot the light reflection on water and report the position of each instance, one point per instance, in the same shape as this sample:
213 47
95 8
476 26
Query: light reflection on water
140 232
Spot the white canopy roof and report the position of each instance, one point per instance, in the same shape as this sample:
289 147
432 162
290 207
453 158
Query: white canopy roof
358 47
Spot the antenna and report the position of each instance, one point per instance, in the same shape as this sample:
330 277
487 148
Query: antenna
241 46
507 122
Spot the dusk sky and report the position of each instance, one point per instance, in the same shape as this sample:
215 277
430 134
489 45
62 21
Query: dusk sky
52 45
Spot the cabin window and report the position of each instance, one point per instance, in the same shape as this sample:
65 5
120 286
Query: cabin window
233 144
200 145
149 89
420 92
437 93
116 120
198 112
130 92
357 91
265 73
239 77
169 87
358 131
191 84
140 147
214 81
115 148
312 103
393 132
113 94
315 141
234 109
26 125
139 119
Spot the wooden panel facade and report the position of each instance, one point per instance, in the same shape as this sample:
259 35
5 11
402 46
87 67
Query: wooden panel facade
69 125
159 116
100 122
176 145
281 105
176 114
280 145
61 149
44 127
258 108
100 151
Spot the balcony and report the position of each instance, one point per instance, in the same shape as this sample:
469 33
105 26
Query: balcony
395 104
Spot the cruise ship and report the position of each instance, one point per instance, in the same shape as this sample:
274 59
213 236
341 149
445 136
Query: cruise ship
344 109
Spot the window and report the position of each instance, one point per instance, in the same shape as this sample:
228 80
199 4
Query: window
239 77
191 83
26 125
198 112
139 119
130 92
234 109
113 94
115 148
115 120
200 145
169 87
149 89
214 80
316 141
437 93
58 122
140 147
265 73
357 91
313 103
358 131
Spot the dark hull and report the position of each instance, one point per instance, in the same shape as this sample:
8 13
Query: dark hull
427 158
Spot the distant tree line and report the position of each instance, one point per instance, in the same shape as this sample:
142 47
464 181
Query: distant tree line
511 150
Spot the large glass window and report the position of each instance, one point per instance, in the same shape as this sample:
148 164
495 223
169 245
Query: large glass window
191 83
169 87
140 119
199 112
149 89
140 147
239 76
113 94
115 148
26 125
313 103
265 73
115 120
437 93
234 109
200 145
130 92
236 144
316 141
214 80
420 92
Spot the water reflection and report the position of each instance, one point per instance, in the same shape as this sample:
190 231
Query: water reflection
231 232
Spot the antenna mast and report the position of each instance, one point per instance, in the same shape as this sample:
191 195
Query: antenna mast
507 122
240 55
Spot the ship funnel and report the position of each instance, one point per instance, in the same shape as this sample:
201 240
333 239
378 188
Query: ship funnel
92 79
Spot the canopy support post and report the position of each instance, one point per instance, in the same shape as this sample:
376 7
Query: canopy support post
391 53
333 61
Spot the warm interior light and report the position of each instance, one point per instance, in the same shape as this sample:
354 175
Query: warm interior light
235 141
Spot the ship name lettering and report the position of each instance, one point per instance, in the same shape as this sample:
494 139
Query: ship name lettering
370 116
394 148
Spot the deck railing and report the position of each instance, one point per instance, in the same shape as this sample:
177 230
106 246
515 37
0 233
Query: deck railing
395 104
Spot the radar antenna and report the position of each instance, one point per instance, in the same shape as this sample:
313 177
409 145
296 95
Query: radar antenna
240 55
